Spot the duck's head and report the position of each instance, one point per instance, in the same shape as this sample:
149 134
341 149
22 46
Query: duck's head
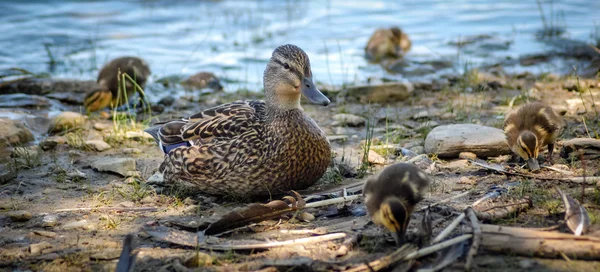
528 147
394 215
288 76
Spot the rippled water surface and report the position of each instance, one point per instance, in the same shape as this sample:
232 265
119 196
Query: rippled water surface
234 39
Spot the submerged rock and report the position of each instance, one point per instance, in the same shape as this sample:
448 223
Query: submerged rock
67 120
383 93
121 166
450 140
13 132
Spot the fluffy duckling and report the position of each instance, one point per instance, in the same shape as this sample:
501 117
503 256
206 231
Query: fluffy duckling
391 197
387 42
204 80
251 148
530 128
108 80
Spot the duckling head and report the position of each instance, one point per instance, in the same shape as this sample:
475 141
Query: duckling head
528 148
288 76
394 215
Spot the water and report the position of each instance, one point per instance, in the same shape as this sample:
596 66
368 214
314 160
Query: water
234 39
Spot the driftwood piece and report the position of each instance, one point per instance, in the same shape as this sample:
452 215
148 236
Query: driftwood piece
503 211
528 242
448 229
476 238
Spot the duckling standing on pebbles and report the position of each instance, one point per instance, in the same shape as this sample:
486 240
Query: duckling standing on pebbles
530 128
108 94
252 148
387 42
391 197
204 80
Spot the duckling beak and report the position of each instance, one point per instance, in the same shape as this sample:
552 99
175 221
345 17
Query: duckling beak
533 164
313 94
399 238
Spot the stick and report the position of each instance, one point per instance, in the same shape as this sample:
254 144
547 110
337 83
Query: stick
318 231
331 201
476 238
106 209
437 247
448 229
379 264
445 200
348 245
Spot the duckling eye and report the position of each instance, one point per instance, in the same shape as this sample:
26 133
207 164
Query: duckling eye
286 66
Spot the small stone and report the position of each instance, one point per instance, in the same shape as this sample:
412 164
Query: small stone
340 130
121 166
131 150
375 158
467 156
307 217
98 145
448 115
75 225
349 119
19 216
76 174
52 141
189 201
101 126
450 140
47 234
35 249
13 133
421 115
337 138
50 220
67 120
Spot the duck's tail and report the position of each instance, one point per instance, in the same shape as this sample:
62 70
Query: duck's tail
169 142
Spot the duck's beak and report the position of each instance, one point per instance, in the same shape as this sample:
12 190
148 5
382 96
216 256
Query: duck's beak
533 164
399 238
310 91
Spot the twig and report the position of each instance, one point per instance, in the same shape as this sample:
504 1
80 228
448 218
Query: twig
348 245
476 238
107 209
301 241
318 231
445 200
331 201
448 229
437 247
379 264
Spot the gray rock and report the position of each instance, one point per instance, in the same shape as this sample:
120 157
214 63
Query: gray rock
349 119
67 120
121 166
450 140
19 216
13 133
337 138
383 93
50 220
47 234
98 145
574 148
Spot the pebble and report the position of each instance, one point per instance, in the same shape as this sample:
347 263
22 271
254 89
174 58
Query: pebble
36 249
52 141
13 133
67 120
50 220
307 217
19 216
374 158
101 126
349 119
98 145
467 155
421 115
337 138
449 141
47 234
122 166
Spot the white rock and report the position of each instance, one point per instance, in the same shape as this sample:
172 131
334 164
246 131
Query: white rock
450 140
349 119
121 166
50 220
98 145
67 120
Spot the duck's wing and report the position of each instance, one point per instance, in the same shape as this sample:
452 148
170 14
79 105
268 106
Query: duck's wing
221 122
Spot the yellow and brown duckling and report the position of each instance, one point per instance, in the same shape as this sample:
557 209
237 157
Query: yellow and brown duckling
204 80
530 128
252 148
108 94
387 43
391 197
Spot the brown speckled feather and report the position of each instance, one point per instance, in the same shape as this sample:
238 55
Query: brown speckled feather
532 117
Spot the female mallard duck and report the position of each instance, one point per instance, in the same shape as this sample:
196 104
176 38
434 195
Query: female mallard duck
391 197
390 42
252 148
204 80
108 94
530 128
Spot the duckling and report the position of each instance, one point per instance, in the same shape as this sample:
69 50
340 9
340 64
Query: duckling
251 148
391 42
204 80
530 128
391 197
108 80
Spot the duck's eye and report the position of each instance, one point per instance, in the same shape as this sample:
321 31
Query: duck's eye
286 66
